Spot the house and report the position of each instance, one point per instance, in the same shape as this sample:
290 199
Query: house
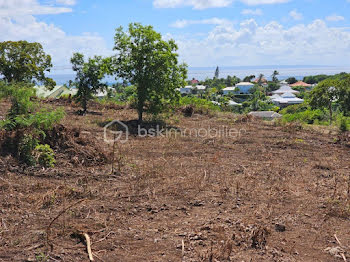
244 87
186 90
227 90
56 92
285 89
263 80
270 115
194 81
286 99
300 83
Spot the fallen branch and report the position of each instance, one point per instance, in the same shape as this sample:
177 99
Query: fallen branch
88 246
342 254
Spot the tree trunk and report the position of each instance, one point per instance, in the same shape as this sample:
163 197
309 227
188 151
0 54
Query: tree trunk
330 112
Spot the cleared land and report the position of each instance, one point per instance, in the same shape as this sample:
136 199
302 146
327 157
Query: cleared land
276 193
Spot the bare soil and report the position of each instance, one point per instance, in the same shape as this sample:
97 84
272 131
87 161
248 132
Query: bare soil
273 193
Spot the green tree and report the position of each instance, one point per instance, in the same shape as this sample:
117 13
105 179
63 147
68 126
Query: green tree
260 79
89 77
291 80
274 76
324 94
249 78
151 64
24 62
217 72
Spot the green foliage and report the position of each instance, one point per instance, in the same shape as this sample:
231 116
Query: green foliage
150 63
45 156
272 86
249 78
24 62
88 77
25 149
308 116
315 79
200 105
291 80
344 125
274 76
216 76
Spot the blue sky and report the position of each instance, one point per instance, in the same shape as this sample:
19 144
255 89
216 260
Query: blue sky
208 32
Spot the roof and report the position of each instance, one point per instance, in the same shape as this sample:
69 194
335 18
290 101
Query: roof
288 95
263 80
285 89
232 103
200 87
245 84
265 114
229 88
286 98
56 92
300 83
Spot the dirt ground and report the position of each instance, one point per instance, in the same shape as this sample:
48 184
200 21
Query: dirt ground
271 193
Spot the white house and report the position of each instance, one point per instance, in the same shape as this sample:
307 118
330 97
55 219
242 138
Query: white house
56 92
286 99
285 89
244 87
227 90
186 90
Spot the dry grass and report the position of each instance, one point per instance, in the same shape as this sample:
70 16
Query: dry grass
221 196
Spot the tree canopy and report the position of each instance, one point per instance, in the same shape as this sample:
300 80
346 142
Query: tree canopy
24 62
150 63
89 75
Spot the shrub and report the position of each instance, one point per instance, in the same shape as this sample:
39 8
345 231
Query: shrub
45 156
25 149
343 127
200 105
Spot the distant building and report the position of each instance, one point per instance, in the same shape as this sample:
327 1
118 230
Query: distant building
263 80
285 89
270 115
186 90
228 90
300 83
244 87
194 81
56 92
286 99
189 89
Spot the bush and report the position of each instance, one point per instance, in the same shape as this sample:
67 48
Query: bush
343 127
25 149
308 116
200 105
45 156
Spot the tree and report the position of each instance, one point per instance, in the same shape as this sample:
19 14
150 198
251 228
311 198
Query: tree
291 80
274 76
24 62
260 79
216 76
151 64
249 78
324 94
88 77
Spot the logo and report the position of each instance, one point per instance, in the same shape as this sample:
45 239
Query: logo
116 131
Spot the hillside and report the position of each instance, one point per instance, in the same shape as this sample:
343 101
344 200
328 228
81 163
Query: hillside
274 193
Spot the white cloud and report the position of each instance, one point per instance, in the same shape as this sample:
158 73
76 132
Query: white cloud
252 12
335 18
28 7
203 4
253 44
20 24
196 4
212 21
296 15
264 2
66 2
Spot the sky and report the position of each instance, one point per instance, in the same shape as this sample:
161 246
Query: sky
208 32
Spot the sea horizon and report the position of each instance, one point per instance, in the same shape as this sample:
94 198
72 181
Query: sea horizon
201 73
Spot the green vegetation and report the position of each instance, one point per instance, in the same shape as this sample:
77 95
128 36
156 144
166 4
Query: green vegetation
150 63
44 155
200 105
88 77
24 62
25 119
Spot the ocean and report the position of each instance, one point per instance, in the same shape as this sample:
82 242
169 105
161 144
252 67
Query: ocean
201 73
